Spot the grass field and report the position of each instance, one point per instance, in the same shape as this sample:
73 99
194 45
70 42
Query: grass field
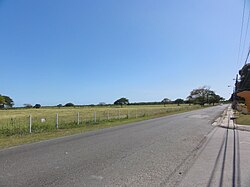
14 123
17 121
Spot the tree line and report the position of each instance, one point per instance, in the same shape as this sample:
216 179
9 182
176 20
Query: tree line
201 96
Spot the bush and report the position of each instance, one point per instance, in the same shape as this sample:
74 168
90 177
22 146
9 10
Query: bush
37 106
69 104
59 105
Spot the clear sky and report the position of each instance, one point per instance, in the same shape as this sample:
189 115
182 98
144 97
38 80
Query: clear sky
91 51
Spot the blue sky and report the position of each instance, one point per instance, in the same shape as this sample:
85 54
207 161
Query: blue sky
91 51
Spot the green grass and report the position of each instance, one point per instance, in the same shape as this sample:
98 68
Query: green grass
69 128
16 121
243 119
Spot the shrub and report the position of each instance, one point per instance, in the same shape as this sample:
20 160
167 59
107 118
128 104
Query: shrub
69 104
37 106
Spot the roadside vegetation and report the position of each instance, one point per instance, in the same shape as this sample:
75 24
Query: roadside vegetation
69 128
243 119
33 120
36 122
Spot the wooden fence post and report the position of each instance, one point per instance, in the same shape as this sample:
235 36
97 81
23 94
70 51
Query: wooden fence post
78 118
30 124
57 120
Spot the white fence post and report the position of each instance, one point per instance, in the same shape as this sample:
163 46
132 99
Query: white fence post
78 118
128 114
108 114
57 120
119 114
30 123
135 113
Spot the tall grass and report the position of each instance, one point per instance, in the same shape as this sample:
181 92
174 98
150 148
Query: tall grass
13 122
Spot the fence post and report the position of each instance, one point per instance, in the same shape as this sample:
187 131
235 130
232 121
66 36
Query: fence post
108 114
57 120
30 123
78 118
128 114
119 114
95 117
135 113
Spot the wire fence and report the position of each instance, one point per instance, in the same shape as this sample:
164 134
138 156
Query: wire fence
37 123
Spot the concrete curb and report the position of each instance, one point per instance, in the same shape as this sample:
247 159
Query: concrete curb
219 120
226 120
243 127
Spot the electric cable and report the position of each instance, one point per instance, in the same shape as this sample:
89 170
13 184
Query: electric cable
246 33
241 31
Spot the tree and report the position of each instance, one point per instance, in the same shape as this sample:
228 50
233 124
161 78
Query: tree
2 101
166 101
37 106
59 105
179 101
6 101
69 104
27 105
200 95
122 101
102 104
203 95
214 98
189 100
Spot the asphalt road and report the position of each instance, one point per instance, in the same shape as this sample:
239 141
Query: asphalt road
155 152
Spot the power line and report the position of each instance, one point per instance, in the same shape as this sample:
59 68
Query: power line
244 43
241 30
247 55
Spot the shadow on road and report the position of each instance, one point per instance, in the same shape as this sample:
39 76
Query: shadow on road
222 154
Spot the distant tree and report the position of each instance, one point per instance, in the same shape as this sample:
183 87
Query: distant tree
166 101
37 106
69 104
179 101
59 105
102 104
214 98
122 101
27 105
2 101
8 101
200 95
204 95
189 100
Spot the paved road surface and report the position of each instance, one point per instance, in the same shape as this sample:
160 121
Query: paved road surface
150 153
223 159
